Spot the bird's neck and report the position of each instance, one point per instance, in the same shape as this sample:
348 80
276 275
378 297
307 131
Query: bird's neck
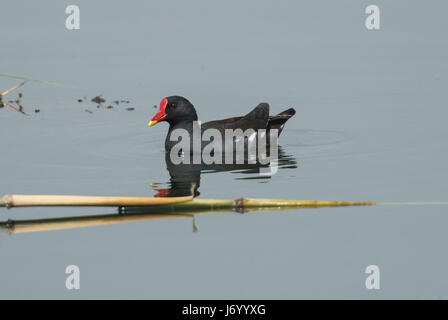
185 122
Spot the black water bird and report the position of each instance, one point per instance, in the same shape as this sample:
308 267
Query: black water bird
181 114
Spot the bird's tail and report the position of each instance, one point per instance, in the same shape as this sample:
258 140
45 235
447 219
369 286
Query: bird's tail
278 121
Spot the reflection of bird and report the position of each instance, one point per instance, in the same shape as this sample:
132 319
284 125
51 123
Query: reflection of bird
180 114
182 176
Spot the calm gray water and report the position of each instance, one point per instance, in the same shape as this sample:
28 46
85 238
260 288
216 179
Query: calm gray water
370 125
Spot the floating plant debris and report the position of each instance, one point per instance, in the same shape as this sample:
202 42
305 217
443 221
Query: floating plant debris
88 111
7 104
98 99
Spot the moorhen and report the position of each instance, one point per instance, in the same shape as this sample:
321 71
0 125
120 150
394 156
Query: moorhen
180 113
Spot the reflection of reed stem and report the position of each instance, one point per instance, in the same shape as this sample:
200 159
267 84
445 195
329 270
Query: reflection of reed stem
20 226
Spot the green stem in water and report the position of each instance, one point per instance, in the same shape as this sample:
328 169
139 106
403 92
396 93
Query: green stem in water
244 205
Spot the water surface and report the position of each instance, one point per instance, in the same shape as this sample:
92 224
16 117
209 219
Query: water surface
370 125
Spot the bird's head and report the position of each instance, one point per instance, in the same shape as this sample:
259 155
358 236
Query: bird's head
173 110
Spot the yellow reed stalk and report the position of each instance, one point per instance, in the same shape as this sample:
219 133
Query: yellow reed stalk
168 203
11 201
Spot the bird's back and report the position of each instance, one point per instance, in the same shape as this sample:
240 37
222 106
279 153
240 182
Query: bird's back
256 119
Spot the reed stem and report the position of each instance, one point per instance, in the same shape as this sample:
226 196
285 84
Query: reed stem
245 205
169 203
11 201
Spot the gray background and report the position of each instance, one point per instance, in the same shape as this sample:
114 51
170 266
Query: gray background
370 125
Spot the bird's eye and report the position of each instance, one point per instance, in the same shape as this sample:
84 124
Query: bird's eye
173 105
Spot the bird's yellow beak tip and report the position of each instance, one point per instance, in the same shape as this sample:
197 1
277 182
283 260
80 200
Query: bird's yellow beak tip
151 123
